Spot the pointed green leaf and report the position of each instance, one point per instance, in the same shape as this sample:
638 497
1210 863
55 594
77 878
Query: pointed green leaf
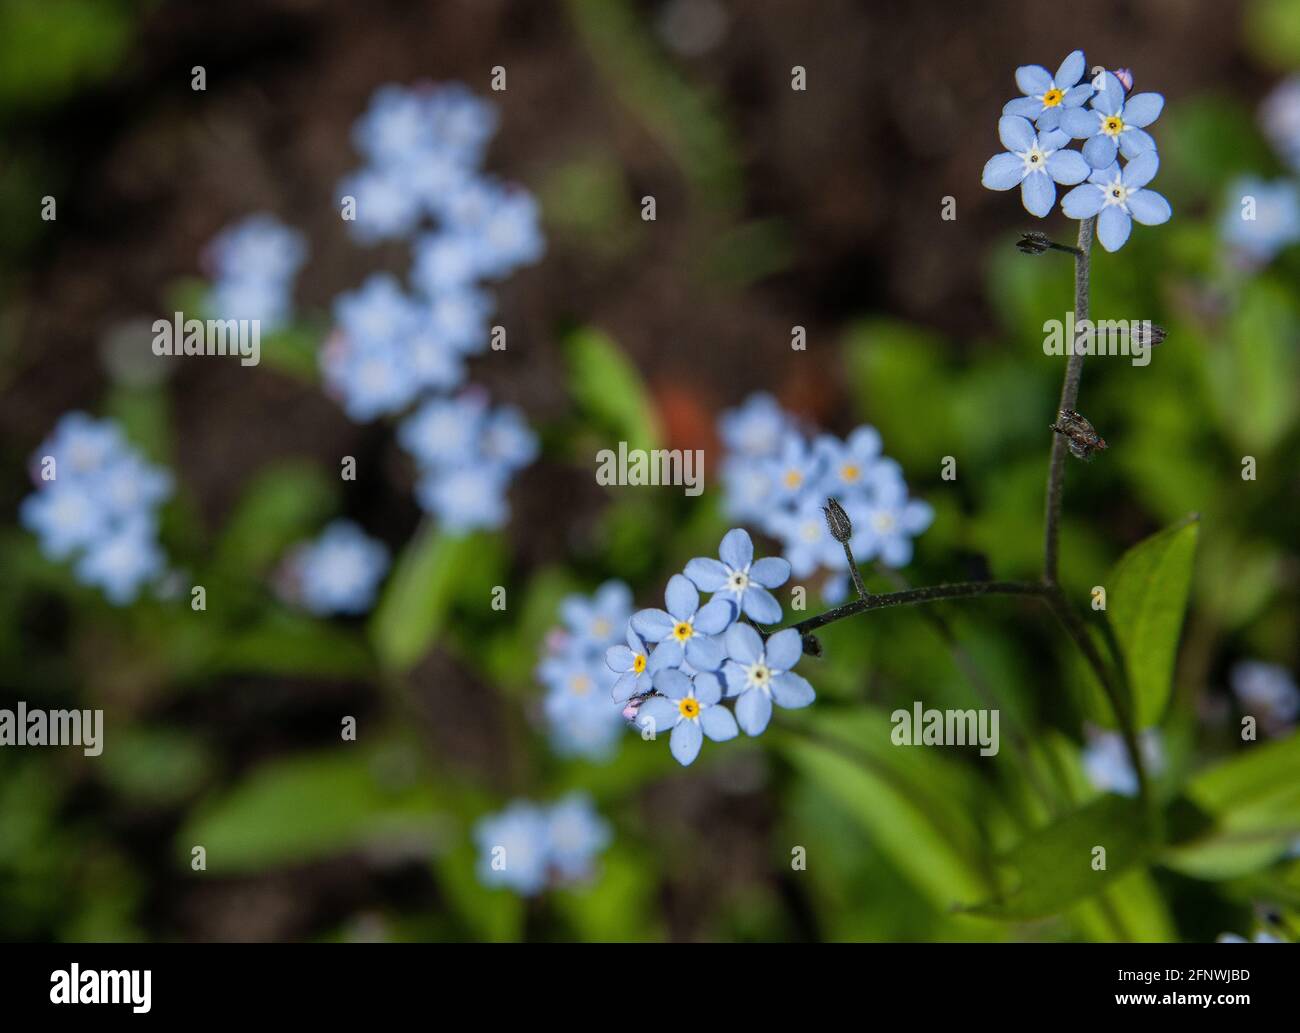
609 388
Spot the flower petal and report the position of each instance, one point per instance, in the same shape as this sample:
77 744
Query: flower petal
770 571
714 616
1076 95
1080 123
1143 109
627 686
682 598
1110 97
1070 71
733 675
705 653
1002 172
744 643
1099 150
667 654
1023 107
1049 120
1033 79
652 625
1148 207
1113 228
619 658
753 711
1053 139
673 684
784 649
737 549
685 742
1141 170
1068 167
761 606
1016 133
707 575
1038 194
657 714
708 688
791 691
1133 142
718 724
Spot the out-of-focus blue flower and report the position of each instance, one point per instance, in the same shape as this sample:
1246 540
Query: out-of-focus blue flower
1274 223
597 620
737 577
465 498
1279 116
445 262
1268 692
1035 162
370 378
338 572
444 431
1047 95
759 674
1106 763
506 439
806 541
686 629
253 265
848 465
754 429
96 501
748 485
1113 123
528 848
1117 197
514 848
891 521
386 206
688 706
577 834
795 467
460 318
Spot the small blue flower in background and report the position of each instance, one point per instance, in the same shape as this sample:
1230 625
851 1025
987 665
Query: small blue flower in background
688 706
890 521
514 848
759 674
736 576
1274 218
529 847
387 208
1035 162
1120 196
1112 123
96 501
1279 117
794 468
1268 692
581 715
806 541
756 429
1047 96
337 572
253 265
850 465
686 629
1106 763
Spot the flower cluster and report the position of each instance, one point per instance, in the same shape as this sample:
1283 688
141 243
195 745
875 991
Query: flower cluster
680 663
97 501
466 453
1262 217
338 572
778 479
528 848
393 346
581 717
1036 129
253 265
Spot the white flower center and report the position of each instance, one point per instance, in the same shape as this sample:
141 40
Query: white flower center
883 522
1035 159
1117 193
737 581
759 676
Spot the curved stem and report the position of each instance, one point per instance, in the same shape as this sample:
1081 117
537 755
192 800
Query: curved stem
911 596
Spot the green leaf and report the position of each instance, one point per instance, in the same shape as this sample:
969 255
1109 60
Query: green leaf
290 644
1052 868
609 388
908 801
307 807
1253 801
1146 597
283 505
418 595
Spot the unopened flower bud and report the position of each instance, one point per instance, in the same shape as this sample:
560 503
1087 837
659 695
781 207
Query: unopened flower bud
1033 243
837 521
1150 333
811 645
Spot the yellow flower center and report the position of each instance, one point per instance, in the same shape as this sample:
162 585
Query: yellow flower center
1112 125
600 627
580 685
688 707
850 472
638 663
793 478
682 631
1052 98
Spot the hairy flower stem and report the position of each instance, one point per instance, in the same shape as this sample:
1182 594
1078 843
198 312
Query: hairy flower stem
858 583
911 596
1069 397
